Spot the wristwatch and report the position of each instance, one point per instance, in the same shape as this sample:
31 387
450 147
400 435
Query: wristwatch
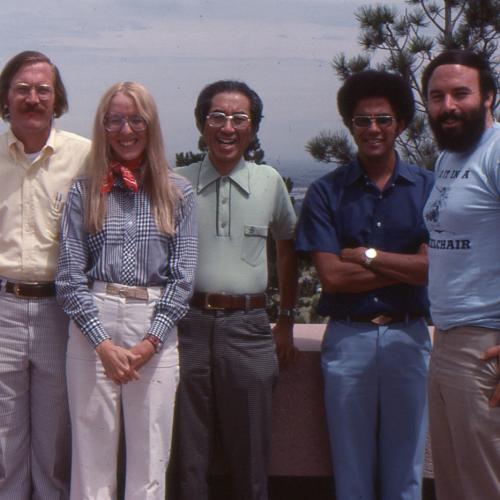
287 313
154 341
370 254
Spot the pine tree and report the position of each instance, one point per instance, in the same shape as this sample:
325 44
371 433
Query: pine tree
407 42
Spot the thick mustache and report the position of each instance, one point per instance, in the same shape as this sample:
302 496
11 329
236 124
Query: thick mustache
450 115
33 109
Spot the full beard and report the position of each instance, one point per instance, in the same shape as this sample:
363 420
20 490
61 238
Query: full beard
462 138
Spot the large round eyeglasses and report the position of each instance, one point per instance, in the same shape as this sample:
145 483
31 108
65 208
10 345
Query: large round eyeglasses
218 119
115 122
23 90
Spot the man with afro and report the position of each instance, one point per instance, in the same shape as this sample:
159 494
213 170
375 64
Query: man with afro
362 225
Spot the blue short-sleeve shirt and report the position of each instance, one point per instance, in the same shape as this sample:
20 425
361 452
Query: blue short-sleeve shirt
344 209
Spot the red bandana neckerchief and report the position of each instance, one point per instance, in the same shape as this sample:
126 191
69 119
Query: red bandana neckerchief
125 171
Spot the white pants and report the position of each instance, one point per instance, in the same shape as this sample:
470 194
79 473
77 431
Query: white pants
95 403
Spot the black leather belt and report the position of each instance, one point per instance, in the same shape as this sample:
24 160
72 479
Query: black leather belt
229 302
381 319
31 290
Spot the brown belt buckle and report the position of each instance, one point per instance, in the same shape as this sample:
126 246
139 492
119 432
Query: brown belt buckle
210 307
381 320
17 290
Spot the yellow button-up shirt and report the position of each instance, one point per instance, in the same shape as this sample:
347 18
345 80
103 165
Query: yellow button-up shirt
32 195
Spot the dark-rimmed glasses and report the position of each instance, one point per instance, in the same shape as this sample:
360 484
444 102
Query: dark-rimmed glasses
365 121
218 119
43 91
115 122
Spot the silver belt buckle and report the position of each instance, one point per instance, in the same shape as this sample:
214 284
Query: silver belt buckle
140 293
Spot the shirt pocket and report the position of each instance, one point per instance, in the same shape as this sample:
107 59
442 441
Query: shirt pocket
53 220
254 243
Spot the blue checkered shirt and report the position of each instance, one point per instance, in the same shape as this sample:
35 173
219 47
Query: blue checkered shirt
129 250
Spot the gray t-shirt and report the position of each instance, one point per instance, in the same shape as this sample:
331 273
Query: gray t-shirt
235 214
462 215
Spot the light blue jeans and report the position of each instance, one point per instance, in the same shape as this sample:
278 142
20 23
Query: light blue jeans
376 404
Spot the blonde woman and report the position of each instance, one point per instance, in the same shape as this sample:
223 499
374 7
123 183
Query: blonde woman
125 272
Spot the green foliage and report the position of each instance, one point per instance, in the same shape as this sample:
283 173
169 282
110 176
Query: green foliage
405 43
331 147
186 158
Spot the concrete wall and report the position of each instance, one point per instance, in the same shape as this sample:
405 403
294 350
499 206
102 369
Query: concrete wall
300 441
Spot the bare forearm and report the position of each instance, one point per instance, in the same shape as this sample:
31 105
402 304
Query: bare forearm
287 273
287 282
403 268
337 276
411 269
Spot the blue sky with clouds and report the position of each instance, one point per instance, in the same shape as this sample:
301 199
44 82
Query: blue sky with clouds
281 48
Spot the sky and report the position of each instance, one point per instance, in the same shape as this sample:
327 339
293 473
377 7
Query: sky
281 48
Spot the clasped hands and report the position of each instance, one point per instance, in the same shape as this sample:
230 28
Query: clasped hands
122 365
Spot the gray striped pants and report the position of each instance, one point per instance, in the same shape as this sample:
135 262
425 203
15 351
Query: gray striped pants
34 418
228 368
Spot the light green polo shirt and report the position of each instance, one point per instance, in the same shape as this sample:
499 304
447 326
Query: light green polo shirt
235 214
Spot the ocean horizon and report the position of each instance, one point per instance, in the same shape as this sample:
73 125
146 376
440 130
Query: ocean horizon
302 173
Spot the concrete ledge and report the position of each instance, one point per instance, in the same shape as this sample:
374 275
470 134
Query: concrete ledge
300 440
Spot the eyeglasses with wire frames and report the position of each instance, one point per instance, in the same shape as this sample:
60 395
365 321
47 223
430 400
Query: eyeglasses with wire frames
217 119
43 91
115 122
365 121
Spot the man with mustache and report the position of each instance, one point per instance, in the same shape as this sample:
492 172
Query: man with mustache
37 165
362 225
463 218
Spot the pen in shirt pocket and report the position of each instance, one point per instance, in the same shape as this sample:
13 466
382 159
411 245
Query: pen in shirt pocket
58 202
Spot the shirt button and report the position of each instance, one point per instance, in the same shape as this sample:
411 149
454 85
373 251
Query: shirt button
375 299
224 224
380 196
379 224
224 201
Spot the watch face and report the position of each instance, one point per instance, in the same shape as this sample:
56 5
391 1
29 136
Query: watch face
371 253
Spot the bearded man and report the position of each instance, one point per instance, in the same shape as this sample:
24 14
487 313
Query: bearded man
462 215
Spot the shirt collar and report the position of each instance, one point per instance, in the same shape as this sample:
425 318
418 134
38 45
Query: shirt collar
401 170
15 145
240 175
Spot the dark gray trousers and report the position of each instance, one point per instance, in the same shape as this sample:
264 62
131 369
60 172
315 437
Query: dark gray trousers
228 368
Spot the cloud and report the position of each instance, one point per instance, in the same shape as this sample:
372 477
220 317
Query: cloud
282 47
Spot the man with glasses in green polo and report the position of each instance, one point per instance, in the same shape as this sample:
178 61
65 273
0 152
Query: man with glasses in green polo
227 352
362 224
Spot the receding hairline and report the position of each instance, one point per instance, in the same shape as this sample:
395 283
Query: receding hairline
35 63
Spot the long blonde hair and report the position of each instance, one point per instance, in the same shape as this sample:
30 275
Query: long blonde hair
156 180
